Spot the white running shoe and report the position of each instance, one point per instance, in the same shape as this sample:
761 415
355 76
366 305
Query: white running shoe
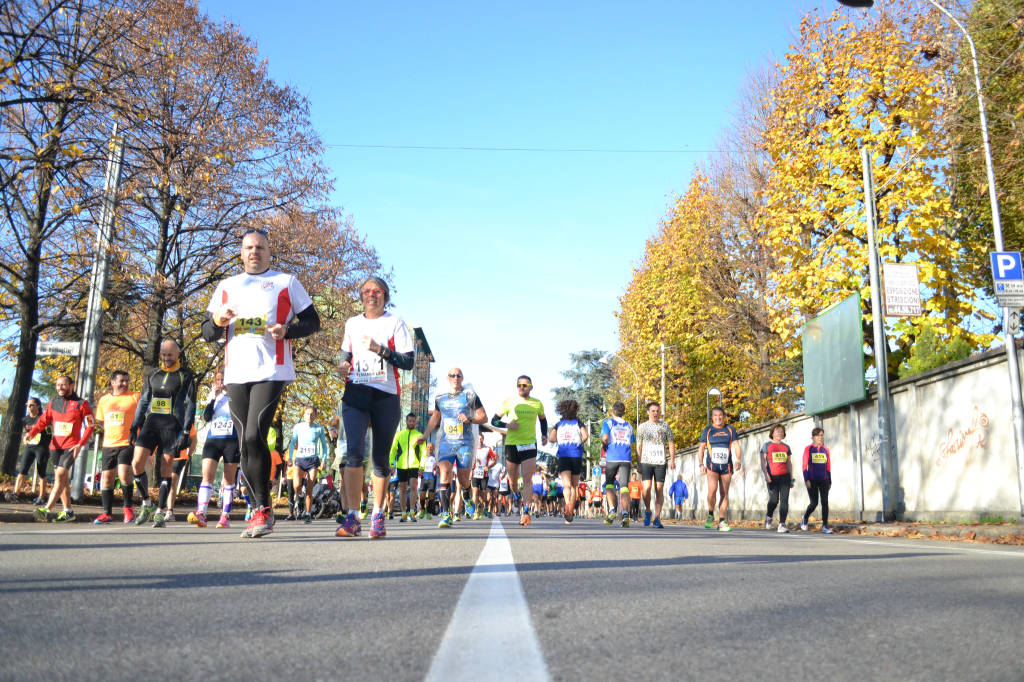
803 525
768 523
826 530
783 528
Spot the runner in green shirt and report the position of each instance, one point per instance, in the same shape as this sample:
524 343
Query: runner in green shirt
407 451
520 415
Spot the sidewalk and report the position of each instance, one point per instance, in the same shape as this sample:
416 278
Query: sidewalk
87 511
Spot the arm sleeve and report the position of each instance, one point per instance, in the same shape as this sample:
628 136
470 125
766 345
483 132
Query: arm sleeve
211 332
496 421
208 410
143 407
544 425
828 464
400 360
807 459
292 442
304 324
190 404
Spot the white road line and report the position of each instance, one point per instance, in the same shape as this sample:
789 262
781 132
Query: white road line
490 636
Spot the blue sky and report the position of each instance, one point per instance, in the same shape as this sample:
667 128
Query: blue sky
511 260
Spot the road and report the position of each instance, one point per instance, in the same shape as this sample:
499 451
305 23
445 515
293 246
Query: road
595 603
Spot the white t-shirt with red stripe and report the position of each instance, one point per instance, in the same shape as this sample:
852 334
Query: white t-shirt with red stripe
270 297
368 368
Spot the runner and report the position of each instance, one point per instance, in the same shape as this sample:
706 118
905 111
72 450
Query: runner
308 451
582 496
678 492
617 436
636 493
778 472
221 443
504 484
162 421
494 476
719 456
37 449
72 427
406 454
258 313
539 488
571 437
455 412
428 482
817 478
522 413
376 345
115 413
484 460
653 437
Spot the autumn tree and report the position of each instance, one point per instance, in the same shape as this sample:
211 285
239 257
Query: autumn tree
847 85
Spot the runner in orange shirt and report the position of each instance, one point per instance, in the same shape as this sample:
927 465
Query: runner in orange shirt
636 491
115 413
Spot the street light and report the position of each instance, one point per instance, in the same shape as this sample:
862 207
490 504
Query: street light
997 229
712 392
606 359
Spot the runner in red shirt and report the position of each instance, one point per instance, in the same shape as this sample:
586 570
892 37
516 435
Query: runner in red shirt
71 418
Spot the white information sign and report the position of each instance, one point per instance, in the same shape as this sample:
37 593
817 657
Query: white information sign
902 290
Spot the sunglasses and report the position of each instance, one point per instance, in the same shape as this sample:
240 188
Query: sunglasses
525 385
454 376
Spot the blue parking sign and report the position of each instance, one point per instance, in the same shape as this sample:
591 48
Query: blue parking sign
1006 265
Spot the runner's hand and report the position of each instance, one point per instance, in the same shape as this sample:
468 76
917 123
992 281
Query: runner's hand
277 331
344 369
223 317
512 425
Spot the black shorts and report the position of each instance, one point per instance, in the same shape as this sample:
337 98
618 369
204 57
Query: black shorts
503 493
179 465
719 469
480 483
62 458
34 453
307 464
393 485
516 456
574 465
118 455
619 470
655 471
405 475
159 434
492 487
222 448
427 485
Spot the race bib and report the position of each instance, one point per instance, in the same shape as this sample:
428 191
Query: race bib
819 457
251 326
620 435
62 429
160 406
719 455
221 427
478 471
34 440
305 451
452 429
569 434
113 419
525 447
428 463
368 368
779 456
653 453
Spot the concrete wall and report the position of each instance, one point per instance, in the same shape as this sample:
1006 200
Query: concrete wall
954 441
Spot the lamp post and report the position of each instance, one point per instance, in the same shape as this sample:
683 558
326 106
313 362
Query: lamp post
712 392
606 359
997 229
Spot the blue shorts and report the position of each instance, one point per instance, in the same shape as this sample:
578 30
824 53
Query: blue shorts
718 468
307 463
538 490
459 452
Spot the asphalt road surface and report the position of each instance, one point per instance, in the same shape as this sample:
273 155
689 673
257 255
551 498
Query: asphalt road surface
496 601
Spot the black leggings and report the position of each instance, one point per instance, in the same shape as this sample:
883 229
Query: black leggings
818 487
252 410
379 411
778 494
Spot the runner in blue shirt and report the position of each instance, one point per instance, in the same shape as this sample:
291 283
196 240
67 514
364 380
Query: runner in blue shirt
719 455
617 435
308 451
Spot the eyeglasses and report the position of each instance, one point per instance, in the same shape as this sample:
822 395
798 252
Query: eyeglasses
454 376
372 292
524 385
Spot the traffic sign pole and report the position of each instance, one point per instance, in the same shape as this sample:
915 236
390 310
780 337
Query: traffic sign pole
1008 277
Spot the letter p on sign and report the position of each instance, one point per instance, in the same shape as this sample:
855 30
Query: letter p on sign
1006 265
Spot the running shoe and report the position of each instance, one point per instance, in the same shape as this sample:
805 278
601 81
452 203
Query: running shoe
826 530
391 517
403 518
470 509
647 518
39 502
158 520
625 521
339 517
362 511
421 514
247 533
477 516
224 522
803 524
129 514
445 522
609 520
783 528
197 519
429 516
457 517
349 527
65 516
263 522
248 513
767 523
291 516
568 516
307 518
102 519
145 514
525 520
377 529
657 522
169 516
412 517
710 522
41 514
724 527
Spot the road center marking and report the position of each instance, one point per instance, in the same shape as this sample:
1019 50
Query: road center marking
490 636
